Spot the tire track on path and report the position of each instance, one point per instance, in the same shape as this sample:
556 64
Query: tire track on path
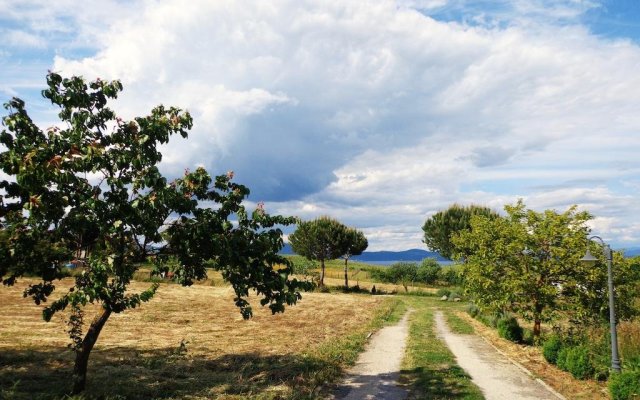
375 374
495 374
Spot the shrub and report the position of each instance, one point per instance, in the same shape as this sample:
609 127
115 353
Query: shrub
305 268
561 361
527 337
483 318
473 310
601 363
454 295
551 347
428 271
443 292
601 372
509 329
380 275
625 385
488 320
579 362
632 364
451 275
354 289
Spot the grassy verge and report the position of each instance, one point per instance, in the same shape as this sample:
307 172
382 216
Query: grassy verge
429 368
337 355
457 324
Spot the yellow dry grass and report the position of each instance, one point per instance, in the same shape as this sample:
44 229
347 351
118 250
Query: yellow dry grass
220 344
629 339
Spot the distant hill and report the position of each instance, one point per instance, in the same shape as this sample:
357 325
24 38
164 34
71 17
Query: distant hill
419 254
632 252
406 255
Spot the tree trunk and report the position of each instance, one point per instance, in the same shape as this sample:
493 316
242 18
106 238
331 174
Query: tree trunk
322 272
82 354
346 278
537 319
536 329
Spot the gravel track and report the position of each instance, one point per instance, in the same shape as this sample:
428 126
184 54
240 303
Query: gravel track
375 374
495 374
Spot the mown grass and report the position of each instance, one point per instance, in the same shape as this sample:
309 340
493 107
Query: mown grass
429 368
191 343
457 324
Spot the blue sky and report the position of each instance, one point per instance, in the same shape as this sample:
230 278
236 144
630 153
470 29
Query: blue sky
376 112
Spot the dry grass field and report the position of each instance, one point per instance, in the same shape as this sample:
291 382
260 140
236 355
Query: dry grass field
188 343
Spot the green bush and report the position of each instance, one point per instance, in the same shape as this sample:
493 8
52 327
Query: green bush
489 320
454 295
632 364
601 363
509 329
561 360
428 271
483 318
625 385
451 275
551 347
579 362
443 292
473 310
527 337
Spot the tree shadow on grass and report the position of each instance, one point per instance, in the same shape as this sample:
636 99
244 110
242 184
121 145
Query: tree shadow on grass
119 373
382 386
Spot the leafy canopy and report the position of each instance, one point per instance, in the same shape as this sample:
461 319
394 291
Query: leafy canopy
404 273
354 242
428 271
529 263
94 185
91 187
439 228
319 239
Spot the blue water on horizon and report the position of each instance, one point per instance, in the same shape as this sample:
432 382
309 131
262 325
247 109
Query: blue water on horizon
387 263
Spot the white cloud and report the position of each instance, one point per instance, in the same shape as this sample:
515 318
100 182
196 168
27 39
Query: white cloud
376 113
18 38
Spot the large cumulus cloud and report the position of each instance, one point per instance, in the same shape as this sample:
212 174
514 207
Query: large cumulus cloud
379 112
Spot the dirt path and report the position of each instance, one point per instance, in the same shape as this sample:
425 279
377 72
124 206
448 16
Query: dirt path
495 375
377 370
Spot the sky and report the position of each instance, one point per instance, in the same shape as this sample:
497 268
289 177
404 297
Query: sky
379 113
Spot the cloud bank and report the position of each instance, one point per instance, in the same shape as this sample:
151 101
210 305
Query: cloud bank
381 113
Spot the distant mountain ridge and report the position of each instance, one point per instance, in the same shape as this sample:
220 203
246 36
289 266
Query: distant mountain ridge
632 252
406 255
419 254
